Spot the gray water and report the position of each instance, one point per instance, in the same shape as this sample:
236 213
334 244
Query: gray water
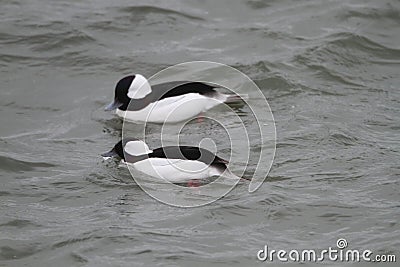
329 69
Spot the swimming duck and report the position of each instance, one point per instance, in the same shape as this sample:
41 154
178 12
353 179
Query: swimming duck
135 100
176 164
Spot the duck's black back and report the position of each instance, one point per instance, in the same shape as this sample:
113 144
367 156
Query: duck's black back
188 153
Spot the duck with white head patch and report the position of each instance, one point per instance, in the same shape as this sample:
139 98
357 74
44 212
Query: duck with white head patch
176 164
135 100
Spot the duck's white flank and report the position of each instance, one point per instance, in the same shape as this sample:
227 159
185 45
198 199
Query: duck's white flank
175 170
173 109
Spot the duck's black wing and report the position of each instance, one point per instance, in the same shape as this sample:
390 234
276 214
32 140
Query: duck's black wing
177 88
188 153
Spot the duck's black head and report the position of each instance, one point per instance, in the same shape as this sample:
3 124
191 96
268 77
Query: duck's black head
117 151
121 98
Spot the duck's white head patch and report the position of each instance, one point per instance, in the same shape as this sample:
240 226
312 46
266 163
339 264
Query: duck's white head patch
139 88
137 148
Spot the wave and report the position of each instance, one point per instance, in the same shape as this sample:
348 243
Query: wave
9 164
346 49
371 13
145 10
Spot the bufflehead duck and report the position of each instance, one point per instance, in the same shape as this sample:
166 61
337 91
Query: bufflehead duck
176 164
135 100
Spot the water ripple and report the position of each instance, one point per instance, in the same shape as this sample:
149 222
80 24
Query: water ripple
14 165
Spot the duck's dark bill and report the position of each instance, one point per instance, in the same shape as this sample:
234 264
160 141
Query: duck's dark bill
109 154
113 105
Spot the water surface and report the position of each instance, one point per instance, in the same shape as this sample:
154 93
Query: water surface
329 69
